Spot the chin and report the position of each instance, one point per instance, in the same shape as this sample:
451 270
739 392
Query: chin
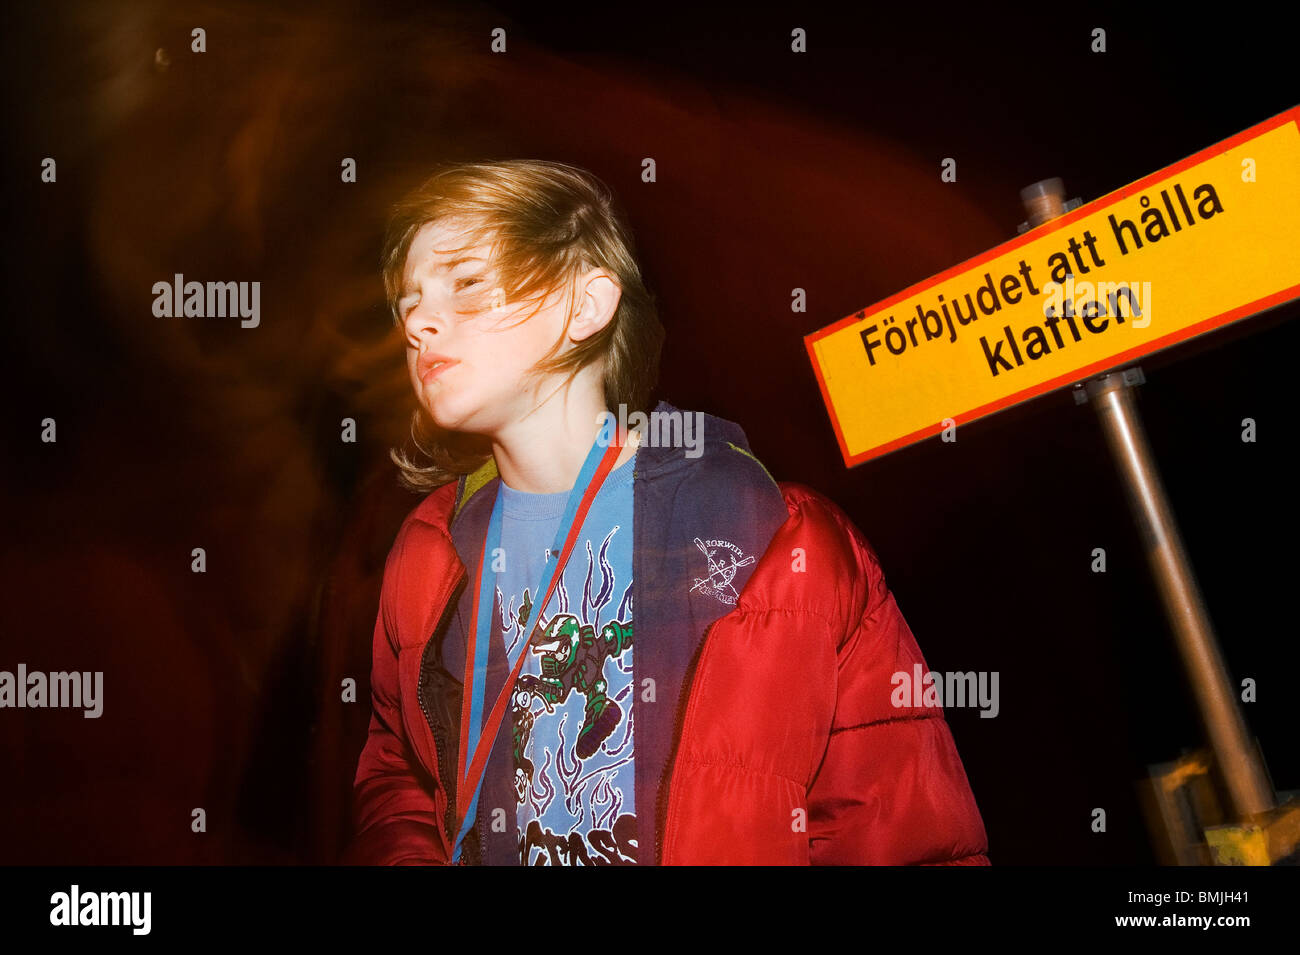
441 416
449 414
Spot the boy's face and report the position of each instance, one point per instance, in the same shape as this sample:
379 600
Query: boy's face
451 306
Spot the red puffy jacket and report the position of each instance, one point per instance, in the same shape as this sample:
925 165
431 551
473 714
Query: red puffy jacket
777 743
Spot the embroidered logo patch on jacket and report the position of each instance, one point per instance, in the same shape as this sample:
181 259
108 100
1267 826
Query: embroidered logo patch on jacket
723 559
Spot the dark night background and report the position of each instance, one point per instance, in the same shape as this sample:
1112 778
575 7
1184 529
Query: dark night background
775 171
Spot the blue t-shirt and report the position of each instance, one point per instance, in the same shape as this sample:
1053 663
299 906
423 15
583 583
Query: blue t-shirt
571 712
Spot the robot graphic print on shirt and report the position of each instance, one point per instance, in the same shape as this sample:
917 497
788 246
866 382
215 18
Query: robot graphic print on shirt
571 717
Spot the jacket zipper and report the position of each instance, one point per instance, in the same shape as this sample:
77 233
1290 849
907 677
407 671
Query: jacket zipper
438 739
665 778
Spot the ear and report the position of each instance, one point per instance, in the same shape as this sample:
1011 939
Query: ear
596 301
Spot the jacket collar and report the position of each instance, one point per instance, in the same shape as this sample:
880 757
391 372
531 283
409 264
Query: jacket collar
658 454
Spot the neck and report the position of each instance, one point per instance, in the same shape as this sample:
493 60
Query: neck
543 452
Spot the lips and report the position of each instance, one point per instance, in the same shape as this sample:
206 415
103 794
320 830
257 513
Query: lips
430 366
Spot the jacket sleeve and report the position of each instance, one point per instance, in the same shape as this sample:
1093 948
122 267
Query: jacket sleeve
396 807
891 789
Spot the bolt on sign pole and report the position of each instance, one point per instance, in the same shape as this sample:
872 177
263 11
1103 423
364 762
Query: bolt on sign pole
1111 397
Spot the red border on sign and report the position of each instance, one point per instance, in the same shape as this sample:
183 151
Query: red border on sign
1098 205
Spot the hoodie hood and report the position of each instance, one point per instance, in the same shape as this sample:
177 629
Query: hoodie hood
671 440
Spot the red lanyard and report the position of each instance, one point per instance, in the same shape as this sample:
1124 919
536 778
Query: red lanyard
468 780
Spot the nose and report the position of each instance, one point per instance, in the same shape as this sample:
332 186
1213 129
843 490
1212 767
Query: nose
423 323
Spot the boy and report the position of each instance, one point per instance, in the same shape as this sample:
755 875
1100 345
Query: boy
606 647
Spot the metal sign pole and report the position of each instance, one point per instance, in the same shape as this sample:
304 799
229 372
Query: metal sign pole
1111 397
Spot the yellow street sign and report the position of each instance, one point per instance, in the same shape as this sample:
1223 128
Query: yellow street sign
1204 242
